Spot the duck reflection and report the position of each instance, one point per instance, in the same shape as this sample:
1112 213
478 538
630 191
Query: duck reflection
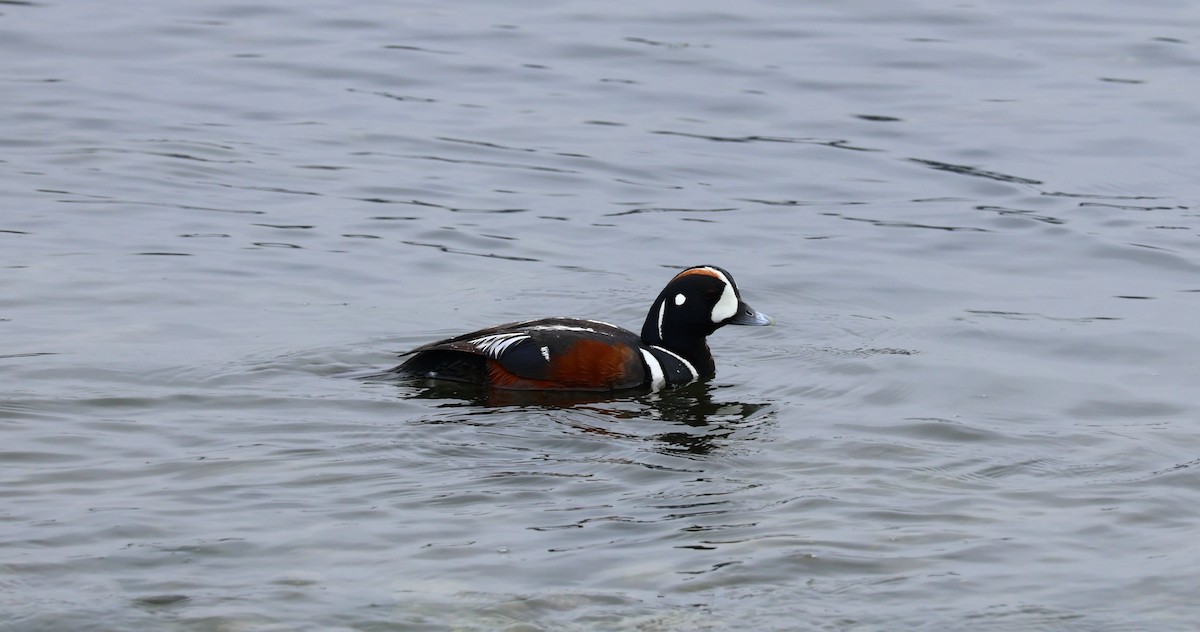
695 405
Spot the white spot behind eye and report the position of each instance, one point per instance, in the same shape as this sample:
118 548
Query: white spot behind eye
679 299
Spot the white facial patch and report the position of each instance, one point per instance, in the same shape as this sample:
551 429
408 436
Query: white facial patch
727 306
680 299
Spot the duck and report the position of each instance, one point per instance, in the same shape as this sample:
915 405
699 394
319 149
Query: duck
573 354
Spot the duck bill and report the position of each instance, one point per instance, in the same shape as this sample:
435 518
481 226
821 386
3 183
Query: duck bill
747 315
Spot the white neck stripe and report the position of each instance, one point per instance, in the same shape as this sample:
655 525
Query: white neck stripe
662 310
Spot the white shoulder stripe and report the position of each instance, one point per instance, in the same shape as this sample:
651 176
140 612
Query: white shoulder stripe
692 369
657 379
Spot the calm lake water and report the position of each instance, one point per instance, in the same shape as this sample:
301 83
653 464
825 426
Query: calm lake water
975 223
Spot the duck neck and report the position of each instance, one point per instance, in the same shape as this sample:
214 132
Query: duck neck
691 346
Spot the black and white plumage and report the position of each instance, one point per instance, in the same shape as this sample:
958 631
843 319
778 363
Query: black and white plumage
589 355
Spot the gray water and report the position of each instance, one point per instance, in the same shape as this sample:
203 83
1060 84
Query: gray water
975 224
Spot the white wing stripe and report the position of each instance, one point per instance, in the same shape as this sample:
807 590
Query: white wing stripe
496 344
562 328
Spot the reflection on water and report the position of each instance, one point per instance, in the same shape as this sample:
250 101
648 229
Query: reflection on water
695 405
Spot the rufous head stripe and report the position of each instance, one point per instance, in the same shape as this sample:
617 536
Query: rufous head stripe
705 271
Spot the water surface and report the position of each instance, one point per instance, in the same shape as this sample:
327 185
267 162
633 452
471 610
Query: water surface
975 224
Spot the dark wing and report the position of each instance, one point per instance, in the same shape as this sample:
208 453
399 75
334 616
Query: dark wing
552 353
465 342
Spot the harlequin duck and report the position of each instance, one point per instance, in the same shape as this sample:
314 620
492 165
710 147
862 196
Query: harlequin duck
568 354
